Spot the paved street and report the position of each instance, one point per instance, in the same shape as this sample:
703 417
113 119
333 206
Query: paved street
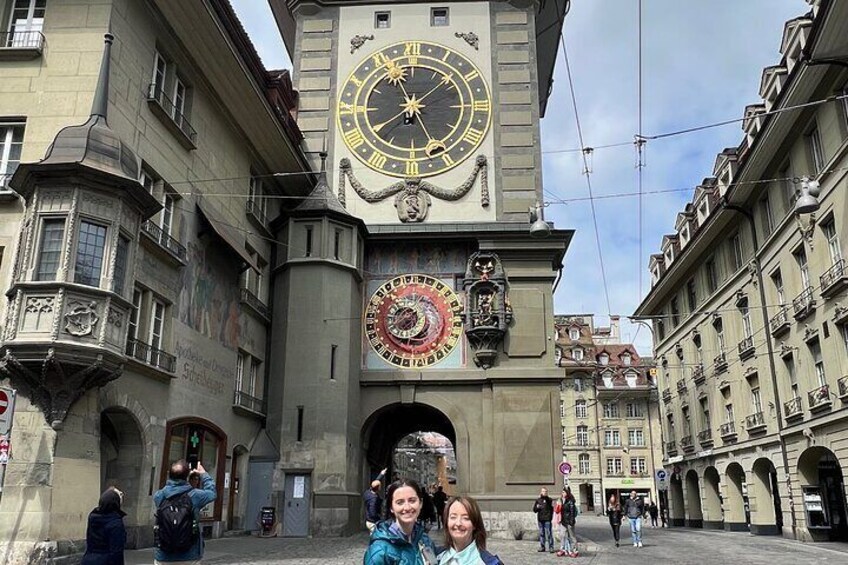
679 546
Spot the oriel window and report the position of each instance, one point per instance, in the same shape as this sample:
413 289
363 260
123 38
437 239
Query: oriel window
90 246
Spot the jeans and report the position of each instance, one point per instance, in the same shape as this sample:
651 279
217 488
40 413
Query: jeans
545 530
636 529
616 531
568 539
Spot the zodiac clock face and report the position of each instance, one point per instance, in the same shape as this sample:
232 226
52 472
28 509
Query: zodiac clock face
414 109
413 321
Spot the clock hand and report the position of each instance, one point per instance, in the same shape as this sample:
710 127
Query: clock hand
445 80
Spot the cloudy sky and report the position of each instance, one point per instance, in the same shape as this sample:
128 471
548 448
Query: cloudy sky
701 63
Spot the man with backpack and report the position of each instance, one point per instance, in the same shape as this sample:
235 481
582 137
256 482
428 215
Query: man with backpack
177 534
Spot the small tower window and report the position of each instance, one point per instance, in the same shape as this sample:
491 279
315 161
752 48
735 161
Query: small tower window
337 244
439 17
52 233
382 20
308 242
90 247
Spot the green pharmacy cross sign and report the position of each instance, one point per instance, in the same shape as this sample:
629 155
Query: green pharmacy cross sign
195 440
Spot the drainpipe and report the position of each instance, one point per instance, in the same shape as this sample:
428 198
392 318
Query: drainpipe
755 261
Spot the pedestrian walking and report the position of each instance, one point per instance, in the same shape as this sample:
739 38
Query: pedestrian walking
465 535
439 501
663 516
106 534
176 533
634 508
653 511
544 509
373 502
567 513
401 539
614 515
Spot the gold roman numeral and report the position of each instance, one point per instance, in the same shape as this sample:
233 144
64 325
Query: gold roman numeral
482 106
472 75
381 59
473 136
412 168
346 109
354 138
377 160
449 162
356 81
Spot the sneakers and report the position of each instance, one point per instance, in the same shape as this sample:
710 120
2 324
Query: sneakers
635 544
640 544
560 553
573 554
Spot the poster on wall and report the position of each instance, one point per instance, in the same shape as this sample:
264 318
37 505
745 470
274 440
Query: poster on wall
299 487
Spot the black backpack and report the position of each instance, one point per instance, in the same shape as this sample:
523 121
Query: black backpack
176 528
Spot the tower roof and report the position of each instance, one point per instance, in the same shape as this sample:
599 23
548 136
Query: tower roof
322 199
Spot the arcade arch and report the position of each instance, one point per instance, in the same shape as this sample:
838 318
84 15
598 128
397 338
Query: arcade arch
712 507
764 495
822 497
736 500
121 465
694 515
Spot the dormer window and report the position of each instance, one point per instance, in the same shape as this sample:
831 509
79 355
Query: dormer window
669 256
603 359
577 354
703 211
630 379
557 355
684 235
655 274
626 359
574 334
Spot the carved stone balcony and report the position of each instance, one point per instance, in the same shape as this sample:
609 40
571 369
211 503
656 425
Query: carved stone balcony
699 376
755 423
671 448
243 402
779 323
727 431
687 444
174 248
746 348
666 394
681 387
804 304
843 387
720 363
254 303
172 116
793 409
149 355
834 279
705 437
819 398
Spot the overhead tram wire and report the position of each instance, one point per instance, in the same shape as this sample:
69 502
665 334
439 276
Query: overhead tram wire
639 162
585 163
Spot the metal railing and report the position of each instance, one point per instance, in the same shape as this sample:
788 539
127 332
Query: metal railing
727 429
698 374
666 394
779 321
156 94
244 400
686 442
22 39
165 240
681 386
746 346
804 302
151 356
252 208
819 397
720 362
671 447
254 302
755 420
833 275
705 436
793 407
842 385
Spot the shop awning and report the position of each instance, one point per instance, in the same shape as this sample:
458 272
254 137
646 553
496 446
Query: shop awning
228 234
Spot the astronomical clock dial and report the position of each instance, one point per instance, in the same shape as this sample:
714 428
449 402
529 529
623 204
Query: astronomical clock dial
413 321
414 109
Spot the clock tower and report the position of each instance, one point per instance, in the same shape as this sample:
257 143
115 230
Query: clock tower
427 115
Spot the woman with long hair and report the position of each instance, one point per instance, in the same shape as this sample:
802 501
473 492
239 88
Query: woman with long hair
465 534
614 515
401 539
106 534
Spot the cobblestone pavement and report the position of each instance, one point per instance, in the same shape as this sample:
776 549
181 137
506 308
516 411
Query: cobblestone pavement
678 546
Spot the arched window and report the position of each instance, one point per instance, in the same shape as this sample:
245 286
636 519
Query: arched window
197 440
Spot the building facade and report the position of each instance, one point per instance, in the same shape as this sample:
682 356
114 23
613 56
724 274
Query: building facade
748 306
609 411
190 276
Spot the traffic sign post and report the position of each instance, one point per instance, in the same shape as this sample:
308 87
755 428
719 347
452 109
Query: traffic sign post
565 468
662 479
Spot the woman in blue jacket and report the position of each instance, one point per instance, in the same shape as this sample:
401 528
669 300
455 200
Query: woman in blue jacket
401 540
106 535
465 535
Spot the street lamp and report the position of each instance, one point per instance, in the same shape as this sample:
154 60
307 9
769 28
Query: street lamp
539 228
808 202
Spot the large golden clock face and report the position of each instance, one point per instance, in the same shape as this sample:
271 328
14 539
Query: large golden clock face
413 321
414 109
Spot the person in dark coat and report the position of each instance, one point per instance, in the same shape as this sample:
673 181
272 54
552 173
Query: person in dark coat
544 509
106 535
614 514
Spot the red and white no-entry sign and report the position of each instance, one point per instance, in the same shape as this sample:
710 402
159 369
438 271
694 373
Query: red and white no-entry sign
7 408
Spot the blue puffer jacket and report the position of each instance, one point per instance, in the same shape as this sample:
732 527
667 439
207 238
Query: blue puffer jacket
200 497
388 546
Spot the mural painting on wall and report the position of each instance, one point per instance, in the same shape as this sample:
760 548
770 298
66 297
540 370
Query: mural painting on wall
412 257
209 303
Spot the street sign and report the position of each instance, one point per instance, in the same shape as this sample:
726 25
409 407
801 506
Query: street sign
661 474
662 479
565 468
7 409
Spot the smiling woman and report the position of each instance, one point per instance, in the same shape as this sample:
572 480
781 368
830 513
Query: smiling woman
465 534
401 540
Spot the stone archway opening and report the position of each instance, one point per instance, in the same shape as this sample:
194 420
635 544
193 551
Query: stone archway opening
415 439
677 510
121 466
694 514
736 512
764 494
823 494
712 507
